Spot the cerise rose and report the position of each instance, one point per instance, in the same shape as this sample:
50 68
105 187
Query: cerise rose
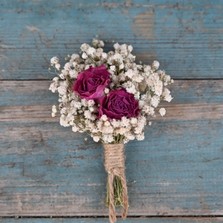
90 83
119 103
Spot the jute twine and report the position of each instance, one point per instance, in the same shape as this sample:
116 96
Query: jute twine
114 162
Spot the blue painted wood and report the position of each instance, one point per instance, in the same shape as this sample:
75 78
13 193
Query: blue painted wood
186 36
21 93
47 170
102 220
31 101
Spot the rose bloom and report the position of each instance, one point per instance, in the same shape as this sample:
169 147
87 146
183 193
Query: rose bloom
90 83
119 103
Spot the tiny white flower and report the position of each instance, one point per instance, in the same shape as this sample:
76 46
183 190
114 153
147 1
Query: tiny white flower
122 131
147 69
133 121
116 46
155 100
106 90
62 90
155 65
92 109
130 136
75 128
84 102
137 130
104 55
90 51
166 95
101 43
140 137
104 118
130 48
84 47
77 104
107 130
73 73
137 78
162 111
116 123
53 87
84 55
54 60
54 109
63 121
88 114
107 138
158 88
75 56
112 68
57 66
90 102
121 66
129 73
96 138
56 79
107 123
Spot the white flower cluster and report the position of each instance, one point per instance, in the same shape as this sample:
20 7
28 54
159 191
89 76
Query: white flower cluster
147 83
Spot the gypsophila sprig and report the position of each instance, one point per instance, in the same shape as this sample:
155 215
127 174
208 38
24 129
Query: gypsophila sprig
91 77
112 98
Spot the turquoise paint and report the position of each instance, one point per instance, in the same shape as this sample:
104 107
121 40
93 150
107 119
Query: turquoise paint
178 165
192 32
175 171
23 93
186 37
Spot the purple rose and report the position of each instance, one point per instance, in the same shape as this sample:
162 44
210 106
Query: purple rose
90 83
119 103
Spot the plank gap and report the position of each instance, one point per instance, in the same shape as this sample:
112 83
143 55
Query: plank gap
104 216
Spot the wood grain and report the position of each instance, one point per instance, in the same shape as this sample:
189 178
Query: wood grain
46 170
102 220
31 101
36 92
185 36
175 175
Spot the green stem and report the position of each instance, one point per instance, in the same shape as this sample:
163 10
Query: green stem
118 200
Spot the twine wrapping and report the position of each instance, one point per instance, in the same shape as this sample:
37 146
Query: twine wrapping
114 162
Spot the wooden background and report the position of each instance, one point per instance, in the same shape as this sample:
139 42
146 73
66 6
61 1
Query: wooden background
50 175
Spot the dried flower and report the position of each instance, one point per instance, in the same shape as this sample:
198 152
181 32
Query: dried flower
108 95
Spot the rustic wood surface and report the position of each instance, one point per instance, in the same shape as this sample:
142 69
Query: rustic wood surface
102 220
48 171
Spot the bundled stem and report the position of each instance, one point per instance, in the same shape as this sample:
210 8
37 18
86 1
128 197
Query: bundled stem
116 185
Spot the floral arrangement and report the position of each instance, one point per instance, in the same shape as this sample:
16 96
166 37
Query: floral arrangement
112 98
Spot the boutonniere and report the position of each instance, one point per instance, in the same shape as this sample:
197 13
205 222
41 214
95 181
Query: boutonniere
112 98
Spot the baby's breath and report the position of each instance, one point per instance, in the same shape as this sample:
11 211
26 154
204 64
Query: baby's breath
147 83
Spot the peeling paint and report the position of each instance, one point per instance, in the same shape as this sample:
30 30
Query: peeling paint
4 46
33 28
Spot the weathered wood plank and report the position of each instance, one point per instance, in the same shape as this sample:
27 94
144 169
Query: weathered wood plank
186 36
102 220
36 92
30 101
46 170
42 113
